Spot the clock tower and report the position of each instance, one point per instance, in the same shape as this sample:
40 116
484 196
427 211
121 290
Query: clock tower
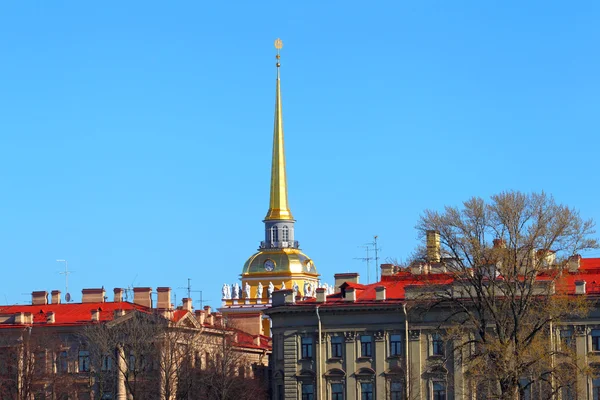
279 263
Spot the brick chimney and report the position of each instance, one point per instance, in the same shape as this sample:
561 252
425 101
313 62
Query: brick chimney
142 296
350 277
380 293
387 269
95 314
187 303
321 295
433 246
92 295
200 315
55 297
39 298
118 295
164 298
574 263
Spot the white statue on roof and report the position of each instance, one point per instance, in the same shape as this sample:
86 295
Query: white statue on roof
226 292
296 289
270 289
282 286
259 291
235 291
308 290
246 291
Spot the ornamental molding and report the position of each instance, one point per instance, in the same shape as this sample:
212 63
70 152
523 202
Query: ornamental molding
414 334
349 336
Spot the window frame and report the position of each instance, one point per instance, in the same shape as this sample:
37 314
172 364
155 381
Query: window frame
396 349
439 394
341 395
366 395
437 345
366 346
336 348
396 394
595 339
308 395
306 349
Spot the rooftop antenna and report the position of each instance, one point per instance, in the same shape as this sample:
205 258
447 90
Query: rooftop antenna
130 288
201 301
66 273
376 248
188 288
366 259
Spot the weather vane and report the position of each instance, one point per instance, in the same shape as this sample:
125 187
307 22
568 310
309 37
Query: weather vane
278 46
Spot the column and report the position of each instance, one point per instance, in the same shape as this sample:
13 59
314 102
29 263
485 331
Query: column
350 364
414 349
581 349
380 368
121 368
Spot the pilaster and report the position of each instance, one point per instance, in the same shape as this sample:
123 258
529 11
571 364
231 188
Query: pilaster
414 348
350 361
581 351
379 337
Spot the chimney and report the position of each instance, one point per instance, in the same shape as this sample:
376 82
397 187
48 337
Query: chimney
93 295
39 298
579 287
118 295
283 297
55 297
380 293
387 269
200 316
321 295
433 246
207 309
499 243
350 277
142 296
19 318
350 294
416 269
96 314
187 303
574 263
164 298
50 318
209 319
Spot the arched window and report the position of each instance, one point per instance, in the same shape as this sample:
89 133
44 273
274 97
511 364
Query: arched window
274 234
286 234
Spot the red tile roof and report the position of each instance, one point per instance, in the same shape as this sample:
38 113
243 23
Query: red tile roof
589 271
67 314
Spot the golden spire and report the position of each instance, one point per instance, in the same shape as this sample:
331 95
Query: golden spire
278 205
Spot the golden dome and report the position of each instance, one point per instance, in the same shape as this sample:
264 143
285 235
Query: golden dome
279 261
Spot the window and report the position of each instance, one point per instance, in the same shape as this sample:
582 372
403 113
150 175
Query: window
566 339
274 234
438 391
395 345
308 391
306 347
40 363
336 346
84 361
396 390
596 389
106 363
524 389
131 362
285 234
366 391
61 362
437 345
595 339
366 343
337 391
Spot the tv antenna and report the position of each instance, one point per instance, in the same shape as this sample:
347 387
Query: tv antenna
201 301
376 249
188 288
366 259
66 273
130 288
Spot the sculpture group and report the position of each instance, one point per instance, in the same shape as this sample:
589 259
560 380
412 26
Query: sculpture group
234 291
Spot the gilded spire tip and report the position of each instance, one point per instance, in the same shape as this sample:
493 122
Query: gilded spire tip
278 46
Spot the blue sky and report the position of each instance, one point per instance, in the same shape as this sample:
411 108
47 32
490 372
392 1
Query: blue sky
135 136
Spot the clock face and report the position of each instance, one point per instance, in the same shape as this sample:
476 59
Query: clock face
269 265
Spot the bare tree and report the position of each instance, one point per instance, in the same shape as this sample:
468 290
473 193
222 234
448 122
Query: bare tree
507 259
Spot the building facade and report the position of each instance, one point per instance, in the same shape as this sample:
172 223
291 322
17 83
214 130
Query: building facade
99 349
375 342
